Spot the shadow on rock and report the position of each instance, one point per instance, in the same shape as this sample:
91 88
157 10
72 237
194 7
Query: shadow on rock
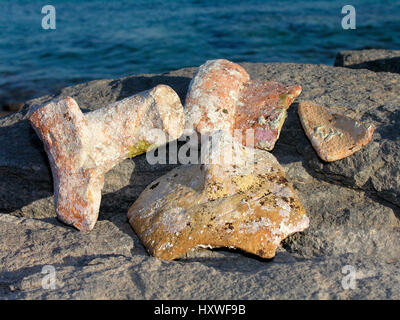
378 65
133 85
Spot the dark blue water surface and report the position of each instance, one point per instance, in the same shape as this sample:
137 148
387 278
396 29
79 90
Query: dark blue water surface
108 39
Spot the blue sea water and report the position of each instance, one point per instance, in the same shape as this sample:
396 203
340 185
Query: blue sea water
108 39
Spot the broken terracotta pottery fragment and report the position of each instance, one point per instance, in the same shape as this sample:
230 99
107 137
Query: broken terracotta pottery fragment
246 203
332 135
83 147
212 96
221 96
262 108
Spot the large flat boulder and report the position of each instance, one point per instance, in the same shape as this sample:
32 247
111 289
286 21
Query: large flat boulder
353 205
378 60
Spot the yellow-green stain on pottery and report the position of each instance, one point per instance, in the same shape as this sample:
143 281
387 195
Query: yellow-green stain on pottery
283 100
279 121
139 148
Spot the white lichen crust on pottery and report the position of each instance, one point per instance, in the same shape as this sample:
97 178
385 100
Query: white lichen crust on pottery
82 147
246 204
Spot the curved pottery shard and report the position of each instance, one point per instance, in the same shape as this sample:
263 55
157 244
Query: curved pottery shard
222 97
212 96
83 147
262 108
246 204
333 136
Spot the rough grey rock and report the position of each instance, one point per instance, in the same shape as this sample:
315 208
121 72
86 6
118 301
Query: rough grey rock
353 205
378 60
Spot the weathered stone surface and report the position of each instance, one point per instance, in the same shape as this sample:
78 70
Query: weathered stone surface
222 97
107 264
241 201
356 226
378 60
344 221
332 135
82 148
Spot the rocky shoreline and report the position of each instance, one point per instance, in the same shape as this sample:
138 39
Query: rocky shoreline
353 204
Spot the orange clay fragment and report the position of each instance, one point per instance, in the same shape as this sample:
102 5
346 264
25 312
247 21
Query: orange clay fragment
333 136
212 96
242 202
222 97
83 147
262 108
